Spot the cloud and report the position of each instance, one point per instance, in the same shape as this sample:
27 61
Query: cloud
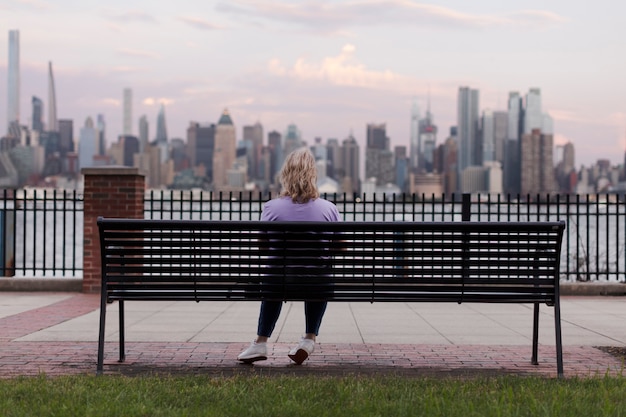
131 16
151 101
342 70
138 53
31 4
335 17
199 23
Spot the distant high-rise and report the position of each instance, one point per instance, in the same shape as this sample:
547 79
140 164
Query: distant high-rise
201 146
428 142
511 161
467 125
537 173
37 123
53 123
161 129
254 136
274 144
128 111
293 139
415 146
488 136
500 130
378 157
66 136
87 145
101 126
144 138
533 116
13 90
351 182
225 150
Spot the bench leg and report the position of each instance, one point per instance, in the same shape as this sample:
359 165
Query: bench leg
122 334
103 313
533 359
559 343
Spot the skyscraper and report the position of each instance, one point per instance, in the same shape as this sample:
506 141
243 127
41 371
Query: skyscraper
101 126
128 111
225 150
253 136
511 161
53 123
533 117
415 146
467 125
87 145
488 136
537 174
144 132
13 90
427 142
161 132
37 104
351 182
378 157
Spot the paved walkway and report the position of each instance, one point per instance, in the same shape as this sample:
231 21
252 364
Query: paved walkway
56 334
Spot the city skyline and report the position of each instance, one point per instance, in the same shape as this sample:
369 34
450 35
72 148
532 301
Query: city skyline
328 67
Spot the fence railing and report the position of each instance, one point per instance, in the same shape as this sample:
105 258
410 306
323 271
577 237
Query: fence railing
43 230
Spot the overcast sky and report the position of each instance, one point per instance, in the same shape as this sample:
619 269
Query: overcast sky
330 67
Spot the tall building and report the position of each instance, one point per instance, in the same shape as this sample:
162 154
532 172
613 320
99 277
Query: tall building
537 174
275 146
351 182
378 157
335 169
511 163
533 116
254 136
201 146
66 136
427 141
37 123
13 89
224 155
53 123
144 138
500 131
161 128
293 140
101 126
414 145
128 111
467 125
87 145
488 136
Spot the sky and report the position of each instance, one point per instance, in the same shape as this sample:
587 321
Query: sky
329 67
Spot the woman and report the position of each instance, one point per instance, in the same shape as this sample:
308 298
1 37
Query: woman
300 202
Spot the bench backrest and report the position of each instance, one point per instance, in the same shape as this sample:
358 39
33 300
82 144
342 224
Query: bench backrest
349 261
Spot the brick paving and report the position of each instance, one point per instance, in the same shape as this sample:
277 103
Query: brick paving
21 358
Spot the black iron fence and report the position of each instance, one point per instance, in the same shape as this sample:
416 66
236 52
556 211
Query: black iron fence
42 230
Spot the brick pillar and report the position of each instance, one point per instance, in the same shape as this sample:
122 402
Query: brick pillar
109 192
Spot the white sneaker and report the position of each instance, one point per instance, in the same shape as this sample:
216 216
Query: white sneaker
302 351
254 352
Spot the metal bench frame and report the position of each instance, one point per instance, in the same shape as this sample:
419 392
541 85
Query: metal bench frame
460 262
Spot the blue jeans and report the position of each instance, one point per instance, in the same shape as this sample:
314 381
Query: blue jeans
270 311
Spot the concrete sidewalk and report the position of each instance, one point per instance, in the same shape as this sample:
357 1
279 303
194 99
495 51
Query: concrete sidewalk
56 333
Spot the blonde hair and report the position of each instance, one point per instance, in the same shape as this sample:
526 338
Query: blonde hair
299 176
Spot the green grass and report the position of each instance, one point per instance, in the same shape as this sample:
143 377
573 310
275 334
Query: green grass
311 396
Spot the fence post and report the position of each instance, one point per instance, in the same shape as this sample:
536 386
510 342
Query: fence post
466 208
110 191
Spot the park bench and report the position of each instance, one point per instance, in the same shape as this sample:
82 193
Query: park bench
458 262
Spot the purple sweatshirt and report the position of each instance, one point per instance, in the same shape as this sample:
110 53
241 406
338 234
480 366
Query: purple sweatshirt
283 209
